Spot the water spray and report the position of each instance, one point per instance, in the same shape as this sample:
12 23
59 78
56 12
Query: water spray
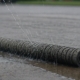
42 51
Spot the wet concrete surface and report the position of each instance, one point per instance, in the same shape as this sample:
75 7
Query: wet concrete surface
13 67
48 24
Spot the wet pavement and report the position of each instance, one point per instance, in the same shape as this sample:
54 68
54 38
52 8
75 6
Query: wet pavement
13 67
48 24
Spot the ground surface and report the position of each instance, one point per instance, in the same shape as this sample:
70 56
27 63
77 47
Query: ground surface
10 70
47 24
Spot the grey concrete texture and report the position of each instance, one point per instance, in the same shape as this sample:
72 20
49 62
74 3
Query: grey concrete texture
48 24
15 68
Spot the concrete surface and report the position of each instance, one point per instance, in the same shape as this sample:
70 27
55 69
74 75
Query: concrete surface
15 68
49 24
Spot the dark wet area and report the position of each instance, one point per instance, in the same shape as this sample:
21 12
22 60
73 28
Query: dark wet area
67 71
62 70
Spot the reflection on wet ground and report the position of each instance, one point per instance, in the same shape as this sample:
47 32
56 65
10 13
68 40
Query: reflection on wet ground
67 71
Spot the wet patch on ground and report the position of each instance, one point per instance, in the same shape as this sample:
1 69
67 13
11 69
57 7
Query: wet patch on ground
20 67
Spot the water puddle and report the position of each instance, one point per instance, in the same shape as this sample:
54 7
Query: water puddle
63 70
67 71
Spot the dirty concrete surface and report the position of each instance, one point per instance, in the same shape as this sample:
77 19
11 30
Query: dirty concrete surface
48 24
19 68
